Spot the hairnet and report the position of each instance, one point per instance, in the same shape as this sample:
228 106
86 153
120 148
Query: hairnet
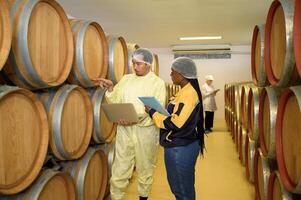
209 78
185 66
147 55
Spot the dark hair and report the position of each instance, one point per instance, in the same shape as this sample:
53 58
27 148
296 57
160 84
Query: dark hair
200 124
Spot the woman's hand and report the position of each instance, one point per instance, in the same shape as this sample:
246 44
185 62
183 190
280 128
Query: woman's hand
147 109
105 83
124 122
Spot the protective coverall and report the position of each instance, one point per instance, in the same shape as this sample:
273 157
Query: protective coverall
136 144
209 104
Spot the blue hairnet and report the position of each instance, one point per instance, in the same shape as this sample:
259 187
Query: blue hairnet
147 55
185 66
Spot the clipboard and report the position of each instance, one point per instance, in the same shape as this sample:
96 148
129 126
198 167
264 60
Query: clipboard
116 111
155 104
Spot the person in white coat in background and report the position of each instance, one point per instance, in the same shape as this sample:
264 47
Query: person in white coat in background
209 104
136 144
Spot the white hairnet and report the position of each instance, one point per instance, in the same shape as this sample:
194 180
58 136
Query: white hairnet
185 66
209 78
147 55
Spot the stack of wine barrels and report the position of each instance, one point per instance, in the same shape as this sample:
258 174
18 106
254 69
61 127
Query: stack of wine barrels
56 142
5 33
270 111
118 58
131 47
171 90
155 64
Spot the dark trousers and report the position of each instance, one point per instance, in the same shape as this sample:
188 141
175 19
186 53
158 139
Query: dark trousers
180 163
209 116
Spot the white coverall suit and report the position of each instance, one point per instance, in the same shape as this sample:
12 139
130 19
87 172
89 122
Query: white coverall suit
136 144
209 103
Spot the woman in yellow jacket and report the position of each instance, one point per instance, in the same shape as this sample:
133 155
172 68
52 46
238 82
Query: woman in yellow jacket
182 133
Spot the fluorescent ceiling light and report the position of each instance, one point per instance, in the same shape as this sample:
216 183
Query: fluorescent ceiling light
202 38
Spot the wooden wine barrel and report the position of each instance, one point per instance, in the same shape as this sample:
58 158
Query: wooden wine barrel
50 185
276 189
262 171
268 104
250 149
238 137
91 53
226 110
227 116
235 129
232 124
227 104
23 138
131 47
278 42
104 130
170 90
5 33
167 94
70 119
257 57
155 64
242 146
231 97
288 134
90 174
297 35
231 113
109 150
253 113
118 58
173 89
244 105
237 95
42 44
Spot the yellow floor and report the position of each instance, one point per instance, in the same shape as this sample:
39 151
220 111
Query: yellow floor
219 175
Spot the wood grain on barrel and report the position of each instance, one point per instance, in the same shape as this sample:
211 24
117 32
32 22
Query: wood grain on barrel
5 33
23 140
291 134
42 46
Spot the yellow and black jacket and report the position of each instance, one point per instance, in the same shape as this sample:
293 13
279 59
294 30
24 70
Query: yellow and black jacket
180 128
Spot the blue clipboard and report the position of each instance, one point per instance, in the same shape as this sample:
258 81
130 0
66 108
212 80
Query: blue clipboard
155 104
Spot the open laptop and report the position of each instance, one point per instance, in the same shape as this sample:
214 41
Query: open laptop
116 111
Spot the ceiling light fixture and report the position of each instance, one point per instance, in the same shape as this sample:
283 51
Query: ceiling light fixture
202 38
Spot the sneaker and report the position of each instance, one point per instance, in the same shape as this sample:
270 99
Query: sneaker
207 131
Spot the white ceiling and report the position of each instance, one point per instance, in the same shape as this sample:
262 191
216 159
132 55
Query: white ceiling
159 23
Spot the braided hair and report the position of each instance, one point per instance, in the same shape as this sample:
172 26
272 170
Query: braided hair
200 124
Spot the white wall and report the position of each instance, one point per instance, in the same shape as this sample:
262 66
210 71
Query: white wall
236 69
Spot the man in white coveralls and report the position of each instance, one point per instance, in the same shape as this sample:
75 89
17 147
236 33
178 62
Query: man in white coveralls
136 144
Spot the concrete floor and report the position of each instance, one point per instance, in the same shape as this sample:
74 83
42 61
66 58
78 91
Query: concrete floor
219 174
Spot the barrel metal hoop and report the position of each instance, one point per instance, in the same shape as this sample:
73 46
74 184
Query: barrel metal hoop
23 42
38 186
111 73
4 90
11 54
82 173
80 53
98 95
56 120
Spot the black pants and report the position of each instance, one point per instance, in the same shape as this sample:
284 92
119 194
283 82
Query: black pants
209 119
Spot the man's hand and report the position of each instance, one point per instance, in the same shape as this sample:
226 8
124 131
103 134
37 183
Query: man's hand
214 93
125 122
147 109
105 83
